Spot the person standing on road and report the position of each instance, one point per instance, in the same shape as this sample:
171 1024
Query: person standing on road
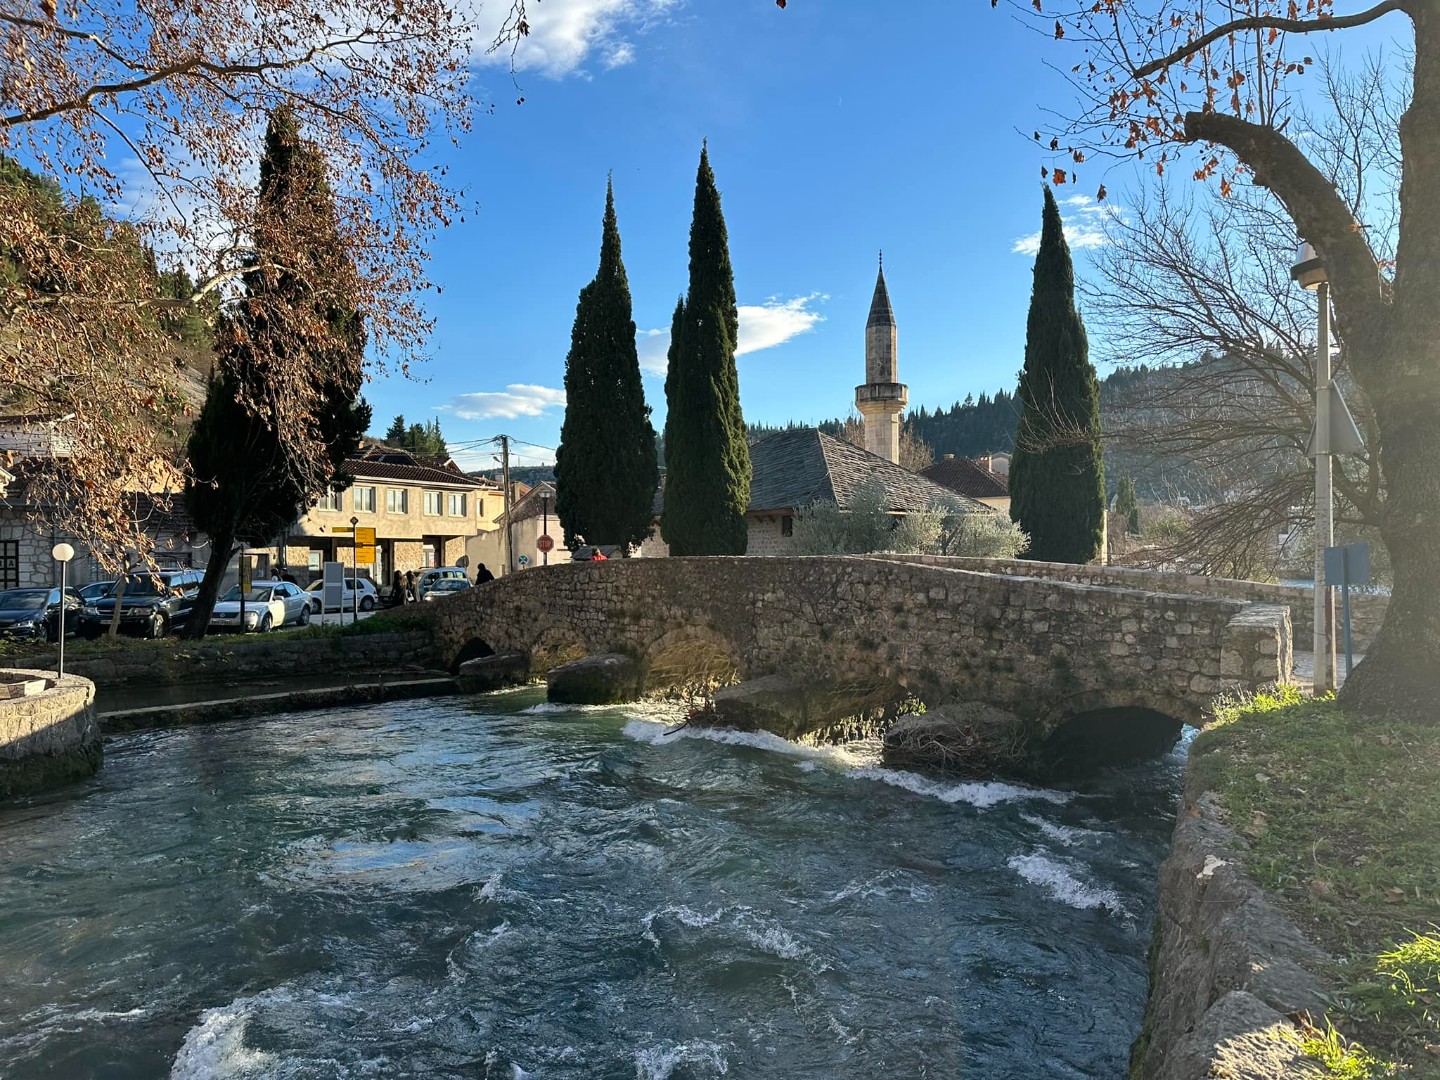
409 586
397 590
483 574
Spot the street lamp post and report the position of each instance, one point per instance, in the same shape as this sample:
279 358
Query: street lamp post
354 569
62 553
1309 272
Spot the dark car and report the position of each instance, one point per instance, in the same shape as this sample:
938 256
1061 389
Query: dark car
35 613
150 604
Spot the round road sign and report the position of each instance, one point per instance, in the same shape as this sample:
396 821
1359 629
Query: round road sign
546 543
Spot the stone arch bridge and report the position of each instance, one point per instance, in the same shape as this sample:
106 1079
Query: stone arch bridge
1044 650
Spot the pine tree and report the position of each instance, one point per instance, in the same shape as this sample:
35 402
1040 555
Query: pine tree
707 479
252 478
1057 476
395 434
605 468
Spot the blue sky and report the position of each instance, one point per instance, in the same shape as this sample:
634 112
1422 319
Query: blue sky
836 128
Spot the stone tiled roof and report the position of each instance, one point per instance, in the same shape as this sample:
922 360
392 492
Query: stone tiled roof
793 469
880 311
967 478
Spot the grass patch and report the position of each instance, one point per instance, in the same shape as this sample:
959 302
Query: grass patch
1343 819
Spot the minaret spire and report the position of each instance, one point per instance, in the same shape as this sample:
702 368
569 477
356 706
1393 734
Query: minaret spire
882 399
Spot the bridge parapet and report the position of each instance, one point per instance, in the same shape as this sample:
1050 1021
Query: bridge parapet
1367 609
1024 644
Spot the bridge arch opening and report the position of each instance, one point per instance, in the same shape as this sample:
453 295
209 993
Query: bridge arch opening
690 660
1109 735
474 649
556 646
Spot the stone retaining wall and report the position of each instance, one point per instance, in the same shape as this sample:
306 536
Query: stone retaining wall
1226 965
181 661
1367 610
50 738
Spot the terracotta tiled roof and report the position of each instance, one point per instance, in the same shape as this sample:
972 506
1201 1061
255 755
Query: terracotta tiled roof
967 478
793 469
369 469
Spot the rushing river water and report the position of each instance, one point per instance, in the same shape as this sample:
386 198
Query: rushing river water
497 888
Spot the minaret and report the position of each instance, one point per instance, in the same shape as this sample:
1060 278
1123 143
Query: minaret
881 400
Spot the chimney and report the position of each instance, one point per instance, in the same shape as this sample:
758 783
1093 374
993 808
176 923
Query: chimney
949 457
985 461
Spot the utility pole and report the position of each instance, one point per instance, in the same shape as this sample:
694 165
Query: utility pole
1324 502
545 525
505 475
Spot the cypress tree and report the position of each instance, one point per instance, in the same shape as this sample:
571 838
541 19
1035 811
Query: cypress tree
707 477
1057 475
1126 503
605 467
296 342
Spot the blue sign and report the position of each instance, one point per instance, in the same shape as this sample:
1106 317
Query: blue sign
523 559
1348 564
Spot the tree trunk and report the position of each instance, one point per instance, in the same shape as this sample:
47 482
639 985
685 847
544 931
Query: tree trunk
221 549
1401 671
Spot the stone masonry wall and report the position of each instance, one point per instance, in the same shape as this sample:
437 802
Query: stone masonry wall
1366 609
49 738
227 658
1041 649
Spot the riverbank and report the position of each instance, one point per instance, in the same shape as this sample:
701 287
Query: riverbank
1314 889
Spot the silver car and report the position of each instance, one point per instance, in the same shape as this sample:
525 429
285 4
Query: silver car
267 605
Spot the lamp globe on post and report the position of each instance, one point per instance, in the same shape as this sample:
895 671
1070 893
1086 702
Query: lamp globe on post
61 553
1309 273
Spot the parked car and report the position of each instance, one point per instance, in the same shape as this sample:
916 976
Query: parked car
151 604
34 614
268 605
95 590
367 599
446 587
427 579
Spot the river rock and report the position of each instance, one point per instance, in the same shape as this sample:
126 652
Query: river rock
493 672
606 679
963 736
775 703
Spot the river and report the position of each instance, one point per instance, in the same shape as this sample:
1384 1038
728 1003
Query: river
495 887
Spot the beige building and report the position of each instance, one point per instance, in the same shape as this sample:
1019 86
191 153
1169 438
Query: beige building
532 516
423 515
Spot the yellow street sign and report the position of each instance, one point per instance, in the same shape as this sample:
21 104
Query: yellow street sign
365 538
365 554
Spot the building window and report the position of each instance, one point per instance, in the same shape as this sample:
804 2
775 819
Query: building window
455 504
314 561
331 500
428 556
787 526
432 503
397 500
364 498
9 564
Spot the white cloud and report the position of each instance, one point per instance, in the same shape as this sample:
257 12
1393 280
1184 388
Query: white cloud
1085 221
517 399
654 347
762 326
563 33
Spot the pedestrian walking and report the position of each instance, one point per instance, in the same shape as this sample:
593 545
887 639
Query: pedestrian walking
483 574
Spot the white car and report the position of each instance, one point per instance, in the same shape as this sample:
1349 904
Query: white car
268 605
367 599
